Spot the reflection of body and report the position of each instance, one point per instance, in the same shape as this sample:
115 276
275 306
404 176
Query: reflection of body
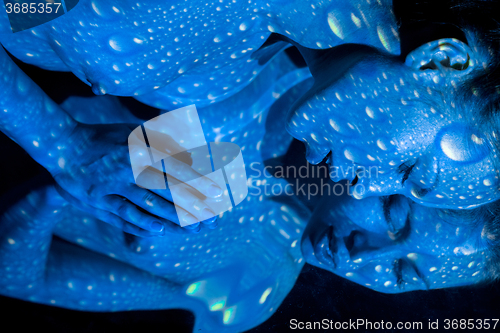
245 266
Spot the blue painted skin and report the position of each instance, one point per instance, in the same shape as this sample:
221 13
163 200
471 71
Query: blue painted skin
172 54
415 248
400 126
247 265
250 262
121 48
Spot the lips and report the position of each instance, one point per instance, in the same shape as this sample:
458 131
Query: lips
325 249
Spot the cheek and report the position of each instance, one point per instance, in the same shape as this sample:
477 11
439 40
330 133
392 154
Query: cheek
472 184
468 178
461 144
454 272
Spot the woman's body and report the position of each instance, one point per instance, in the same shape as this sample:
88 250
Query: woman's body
170 57
167 57
247 265
172 54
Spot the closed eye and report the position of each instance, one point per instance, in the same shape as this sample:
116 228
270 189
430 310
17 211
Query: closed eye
405 169
407 274
396 212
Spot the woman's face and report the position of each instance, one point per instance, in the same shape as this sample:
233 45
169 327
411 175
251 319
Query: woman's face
401 129
391 245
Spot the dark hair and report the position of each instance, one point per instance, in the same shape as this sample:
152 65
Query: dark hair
423 21
490 215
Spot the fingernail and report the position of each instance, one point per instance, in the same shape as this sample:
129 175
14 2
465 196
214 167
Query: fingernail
211 220
189 219
156 226
197 230
192 226
214 191
206 214
212 225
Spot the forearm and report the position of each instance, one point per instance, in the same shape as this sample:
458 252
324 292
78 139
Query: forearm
26 226
30 117
35 267
83 280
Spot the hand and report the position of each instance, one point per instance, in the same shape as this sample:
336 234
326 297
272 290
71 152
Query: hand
95 175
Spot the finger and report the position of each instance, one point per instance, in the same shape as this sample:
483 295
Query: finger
184 173
165 210
189 221
117 221
128 227
212 226
173 167
130 213
153 203
211 221
107 217
156 205
193 204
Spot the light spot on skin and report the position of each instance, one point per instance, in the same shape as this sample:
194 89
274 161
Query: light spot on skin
356 20
369 112
412 256
348 155
381 145
61 162
383 39
264 295
335 26
334 125
477 140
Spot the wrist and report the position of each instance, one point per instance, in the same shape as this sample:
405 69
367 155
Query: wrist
48 143
58 142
